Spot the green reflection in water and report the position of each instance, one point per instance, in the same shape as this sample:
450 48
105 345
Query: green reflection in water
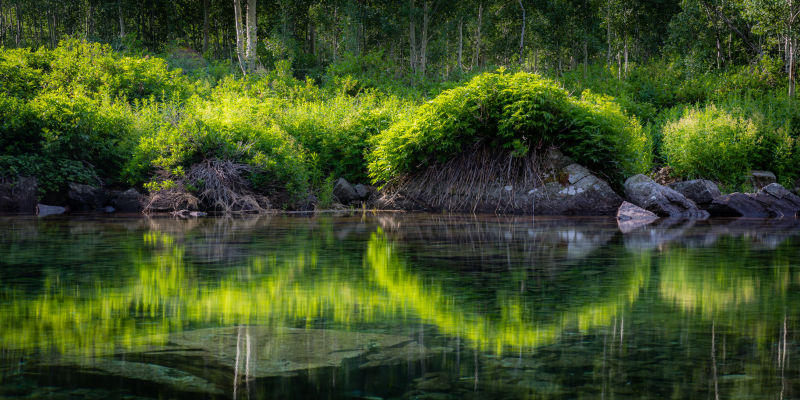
168 294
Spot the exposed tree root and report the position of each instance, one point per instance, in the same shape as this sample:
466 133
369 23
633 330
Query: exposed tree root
220 186
469 182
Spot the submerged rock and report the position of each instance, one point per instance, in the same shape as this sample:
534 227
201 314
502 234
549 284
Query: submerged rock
19 196
772 201
760 179
288 351
661 200
700 191
630 217
173 378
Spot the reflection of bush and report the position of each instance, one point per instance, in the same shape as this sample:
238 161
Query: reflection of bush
292 285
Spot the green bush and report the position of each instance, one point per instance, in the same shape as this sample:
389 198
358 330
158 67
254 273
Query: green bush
227 128
514 112
724 146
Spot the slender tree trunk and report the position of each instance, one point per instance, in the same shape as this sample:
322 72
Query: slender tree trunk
608 31
335 32
626 56
51 29
121 20
423 47
460 43
205 26
412 37
252 39
522 34
240 37
19 25
585 57
477 56
791 51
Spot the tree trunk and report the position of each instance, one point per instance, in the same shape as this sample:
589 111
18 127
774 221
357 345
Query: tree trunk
460 43
240 39
252 32
608 31
626 56
19 25
791 50
412 37
121 20
205 26
423 47
477 56
522 34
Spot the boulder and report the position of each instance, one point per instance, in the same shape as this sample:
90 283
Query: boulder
630 217
44 210
84 197
19 196
344 191
129 201
772 201
759 179
362 191
576 192
700 191
663 201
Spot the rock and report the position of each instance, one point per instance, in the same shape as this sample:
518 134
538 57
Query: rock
661 200
630 217
20 196
772 201
344 191
435 382
576 192
173 378
362 191
797 187
700 191
288 351
43 210
759 179
129 201
84 197
109 209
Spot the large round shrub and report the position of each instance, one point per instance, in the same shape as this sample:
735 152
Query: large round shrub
515 112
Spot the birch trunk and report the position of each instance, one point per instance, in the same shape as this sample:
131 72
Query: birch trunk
522 34
240 39
412 37
460 43
252 32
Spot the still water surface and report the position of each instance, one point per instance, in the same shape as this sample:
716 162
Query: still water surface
398 306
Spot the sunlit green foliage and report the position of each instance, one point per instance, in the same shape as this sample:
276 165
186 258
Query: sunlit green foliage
515 112
716 144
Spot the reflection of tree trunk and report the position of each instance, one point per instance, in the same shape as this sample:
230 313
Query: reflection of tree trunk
714 363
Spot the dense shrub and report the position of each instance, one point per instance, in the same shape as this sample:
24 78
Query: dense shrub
724 146
226 128
515 112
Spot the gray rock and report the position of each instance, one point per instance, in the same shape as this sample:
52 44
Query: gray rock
631 217
579 193
772 201
19 196
663 201
84 197
760 179
362 191
129 201
700 191
44 210
344 191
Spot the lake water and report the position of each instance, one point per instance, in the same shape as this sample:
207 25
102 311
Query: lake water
404 306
